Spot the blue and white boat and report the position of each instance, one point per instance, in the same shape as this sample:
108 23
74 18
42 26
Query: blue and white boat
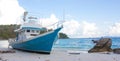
31 36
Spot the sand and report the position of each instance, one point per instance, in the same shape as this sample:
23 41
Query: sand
58 55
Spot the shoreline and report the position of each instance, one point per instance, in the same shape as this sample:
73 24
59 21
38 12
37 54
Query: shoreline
58 55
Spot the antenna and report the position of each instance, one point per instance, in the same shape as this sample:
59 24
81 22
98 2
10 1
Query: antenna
63 14
24 17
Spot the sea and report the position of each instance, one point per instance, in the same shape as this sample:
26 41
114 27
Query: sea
79 44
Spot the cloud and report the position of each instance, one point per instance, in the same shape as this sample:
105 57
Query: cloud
90 30
115 30
74 28
82 29
71 28
46 22
10 11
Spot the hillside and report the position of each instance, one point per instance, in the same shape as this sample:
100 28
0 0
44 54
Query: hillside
6 31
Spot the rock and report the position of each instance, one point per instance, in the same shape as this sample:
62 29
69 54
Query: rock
94 41
102 45
116 50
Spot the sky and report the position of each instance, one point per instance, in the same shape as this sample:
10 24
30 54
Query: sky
83 18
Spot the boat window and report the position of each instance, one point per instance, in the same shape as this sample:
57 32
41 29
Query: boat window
33 31
23 30
33 34
37 31
28 30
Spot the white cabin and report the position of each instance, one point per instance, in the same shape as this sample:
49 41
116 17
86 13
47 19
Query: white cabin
28 30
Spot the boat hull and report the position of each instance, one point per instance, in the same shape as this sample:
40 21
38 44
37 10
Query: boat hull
42 44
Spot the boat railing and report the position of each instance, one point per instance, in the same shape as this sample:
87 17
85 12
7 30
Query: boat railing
11 40
55 25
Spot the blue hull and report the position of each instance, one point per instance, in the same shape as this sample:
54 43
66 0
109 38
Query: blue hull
39 44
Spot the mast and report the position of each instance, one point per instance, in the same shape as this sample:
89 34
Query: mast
24 17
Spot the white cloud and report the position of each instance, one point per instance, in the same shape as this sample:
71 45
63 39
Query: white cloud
115 30
10 11
74 28
90 30
46 22
71 28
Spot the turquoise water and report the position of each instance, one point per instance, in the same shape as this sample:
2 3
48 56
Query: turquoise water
83 44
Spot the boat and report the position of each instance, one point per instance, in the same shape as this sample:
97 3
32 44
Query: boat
33 37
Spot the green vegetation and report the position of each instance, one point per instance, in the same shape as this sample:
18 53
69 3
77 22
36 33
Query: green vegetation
63 36
7 31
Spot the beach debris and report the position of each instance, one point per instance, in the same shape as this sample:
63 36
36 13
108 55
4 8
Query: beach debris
116 50
7 51
39 57
105 52
74 52
102 45
47 60
1 59
115 59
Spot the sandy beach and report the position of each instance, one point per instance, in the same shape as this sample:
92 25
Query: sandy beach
58 55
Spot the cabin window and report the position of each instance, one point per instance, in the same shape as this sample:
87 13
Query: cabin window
33 31
23 30
33 34
28 30
37 31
